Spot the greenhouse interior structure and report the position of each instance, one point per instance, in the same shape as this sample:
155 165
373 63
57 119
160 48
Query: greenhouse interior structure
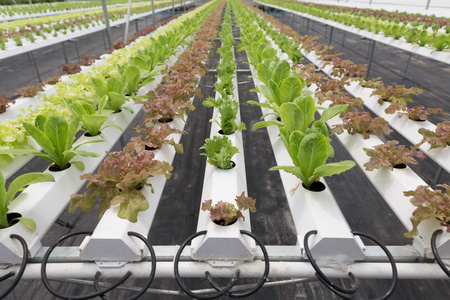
193 149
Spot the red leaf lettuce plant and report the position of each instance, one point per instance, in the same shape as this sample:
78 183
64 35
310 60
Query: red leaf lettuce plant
362 122
438 138
155 137
225 213
5 102
416 113
390 155
397 95
119 180
30 91
430 204
70 68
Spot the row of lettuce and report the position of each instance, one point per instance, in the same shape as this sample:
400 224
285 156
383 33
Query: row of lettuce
122 172
13 33
307 139
422 32
63 7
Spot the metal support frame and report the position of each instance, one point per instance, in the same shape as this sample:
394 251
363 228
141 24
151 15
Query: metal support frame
331 35
33 61
120 27
64 52
127 23
104 39
369 65
407 65
428 4
108 28
173 8
307 25
153 12
75 42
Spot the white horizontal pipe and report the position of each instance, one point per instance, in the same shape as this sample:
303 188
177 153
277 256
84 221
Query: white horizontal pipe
248 270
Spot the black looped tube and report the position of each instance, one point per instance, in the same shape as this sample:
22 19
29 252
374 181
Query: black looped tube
61 296
262 280
22 267
226 290
391 260
343 292
436 253
180 282
152 273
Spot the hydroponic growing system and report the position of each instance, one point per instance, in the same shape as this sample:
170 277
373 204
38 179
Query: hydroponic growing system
116 128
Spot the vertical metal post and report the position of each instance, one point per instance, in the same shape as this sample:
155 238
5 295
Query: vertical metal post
369 65
370 2
307 26
35 66
127 23
64 52
428 4
153 13
137 26
173 8
407 65
108 28
292 21
331 35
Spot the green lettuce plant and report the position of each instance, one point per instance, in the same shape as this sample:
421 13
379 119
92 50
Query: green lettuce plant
430 204
8 196
281 85
228 109
225 213
91 119
55 136
114 89
307 140
219 151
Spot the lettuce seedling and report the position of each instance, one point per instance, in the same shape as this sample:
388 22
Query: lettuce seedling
219 151
8 196
56 137
224 213
430 204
